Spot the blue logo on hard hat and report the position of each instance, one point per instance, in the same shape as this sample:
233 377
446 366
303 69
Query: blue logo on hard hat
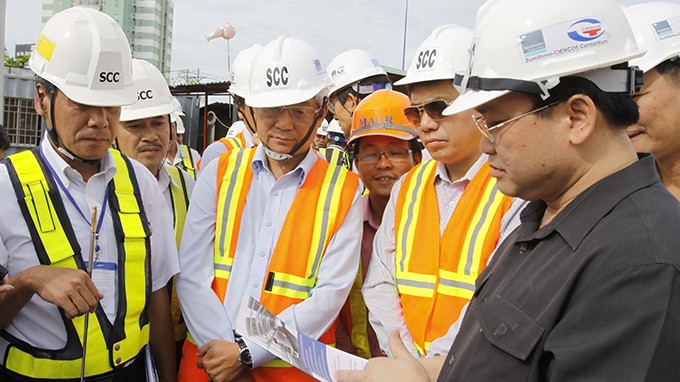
586 30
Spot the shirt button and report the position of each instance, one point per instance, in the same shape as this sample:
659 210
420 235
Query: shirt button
523 248
451 359
276 193
262 253
268 223
256 285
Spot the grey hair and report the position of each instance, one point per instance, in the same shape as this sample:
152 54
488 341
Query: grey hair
50 88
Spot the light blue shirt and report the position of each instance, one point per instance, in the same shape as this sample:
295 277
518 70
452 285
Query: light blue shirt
265 210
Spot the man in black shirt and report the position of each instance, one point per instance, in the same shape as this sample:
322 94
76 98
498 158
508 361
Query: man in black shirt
588 288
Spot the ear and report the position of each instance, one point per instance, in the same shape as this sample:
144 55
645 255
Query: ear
582 116
351 102
417 157
40 100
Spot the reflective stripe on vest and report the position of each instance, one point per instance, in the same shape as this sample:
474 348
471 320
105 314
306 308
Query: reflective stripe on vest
433 289
179 197
320 206
55 243
238 141
188 161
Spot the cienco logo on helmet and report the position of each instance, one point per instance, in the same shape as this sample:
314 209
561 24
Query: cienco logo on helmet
277 76
586 30
426 59
109 77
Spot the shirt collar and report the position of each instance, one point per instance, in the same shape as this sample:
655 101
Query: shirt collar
442 174
259 164
180 150
164 178
368 216
67 173
588 208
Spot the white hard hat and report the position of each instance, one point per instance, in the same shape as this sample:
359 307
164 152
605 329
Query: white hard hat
322 129
177 110
180 126
286 71
443 54
235 128
334 127
657 30
86 55
527 45
241 66
350 67
153 95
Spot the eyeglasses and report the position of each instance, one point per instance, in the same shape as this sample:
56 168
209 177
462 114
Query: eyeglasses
302 114
394 156
433 109
486 130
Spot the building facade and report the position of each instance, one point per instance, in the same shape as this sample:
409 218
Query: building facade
146 23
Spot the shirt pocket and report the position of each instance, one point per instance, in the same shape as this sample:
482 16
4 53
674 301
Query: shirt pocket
508 328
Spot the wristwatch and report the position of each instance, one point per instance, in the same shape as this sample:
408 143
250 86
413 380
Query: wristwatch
244 354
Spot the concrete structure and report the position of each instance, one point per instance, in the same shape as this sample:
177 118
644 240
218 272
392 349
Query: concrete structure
146 23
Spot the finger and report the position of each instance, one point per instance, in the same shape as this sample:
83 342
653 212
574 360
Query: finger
200 364
350 375
81 305
6 288
90 299
397 346
204 349
93 289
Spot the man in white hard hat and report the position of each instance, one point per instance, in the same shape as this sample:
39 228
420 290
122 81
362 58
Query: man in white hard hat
81 207
426 261
144 135
657 30
321 137
584 289
334 152
243 134
180 155
274 222
354 74
384 146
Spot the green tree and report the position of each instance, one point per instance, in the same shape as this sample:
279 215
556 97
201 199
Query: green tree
19 62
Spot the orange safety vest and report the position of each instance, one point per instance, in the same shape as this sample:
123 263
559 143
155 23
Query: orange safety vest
434 289
238 141
322 202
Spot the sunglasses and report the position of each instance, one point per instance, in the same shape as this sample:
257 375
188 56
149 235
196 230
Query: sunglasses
433 109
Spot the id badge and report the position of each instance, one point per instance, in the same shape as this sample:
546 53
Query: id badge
104 278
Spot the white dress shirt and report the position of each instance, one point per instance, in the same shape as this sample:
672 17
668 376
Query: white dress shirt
380 287
265 210
164 181
181 154
38 322
217 148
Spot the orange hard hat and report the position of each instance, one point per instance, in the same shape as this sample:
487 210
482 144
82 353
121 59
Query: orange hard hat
382 113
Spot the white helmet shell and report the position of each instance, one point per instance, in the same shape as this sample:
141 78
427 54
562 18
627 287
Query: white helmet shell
352 66
527 45
153 94
86 55
180 126
287 71
177 111
334 127
657 30
241 66
443 54
322 129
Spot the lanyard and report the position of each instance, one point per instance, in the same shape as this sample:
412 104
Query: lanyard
70 197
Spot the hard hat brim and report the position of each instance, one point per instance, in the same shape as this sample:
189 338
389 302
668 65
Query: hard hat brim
132 115
423 77
282 98
472 99
387 132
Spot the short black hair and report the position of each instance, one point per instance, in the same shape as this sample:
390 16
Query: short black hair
50 88
619 109
4 138
379 79
671 70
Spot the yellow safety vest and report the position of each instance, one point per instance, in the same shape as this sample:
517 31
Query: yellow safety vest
188 161
179 196
109 346
336 156
436 273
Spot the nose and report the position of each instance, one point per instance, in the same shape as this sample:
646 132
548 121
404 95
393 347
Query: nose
487 146
383 162
285 120
427 123
99 117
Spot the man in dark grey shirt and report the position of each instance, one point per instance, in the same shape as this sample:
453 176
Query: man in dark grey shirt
588 288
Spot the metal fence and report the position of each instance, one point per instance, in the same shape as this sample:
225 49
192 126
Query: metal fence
22 123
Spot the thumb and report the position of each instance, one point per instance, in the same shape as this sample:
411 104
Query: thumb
397 346
204 349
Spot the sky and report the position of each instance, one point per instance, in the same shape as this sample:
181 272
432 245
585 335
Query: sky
332 26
